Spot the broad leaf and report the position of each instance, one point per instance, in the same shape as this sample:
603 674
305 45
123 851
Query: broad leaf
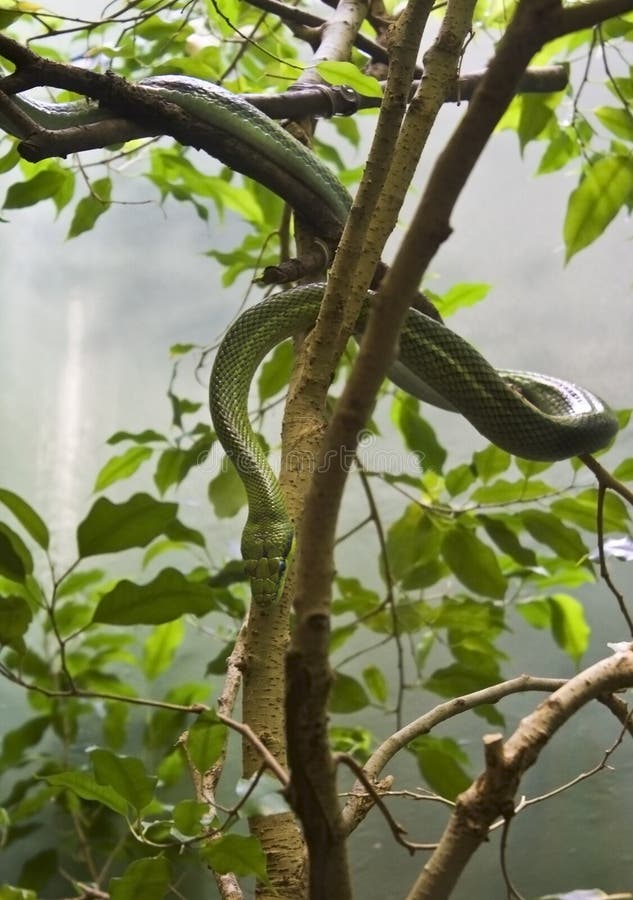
606 186
146 878
473 562
169 596
26 516
206 741
88 788
120 467
111 527
126 775
235 853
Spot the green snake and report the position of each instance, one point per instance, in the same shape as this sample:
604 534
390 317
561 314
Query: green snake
534 416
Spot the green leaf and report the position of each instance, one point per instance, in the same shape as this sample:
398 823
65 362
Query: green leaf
111 527
175 462
534 117
581 510
42 186
441 763
459 479
39 868
9 892
624 471
15 618
548 529
561 149
26 516
606 186
376 683
507 541
17 741
160 648
347 695
12 564
617 119
77 582
460 296
226 492
569 626
473 562
147 878
347 73
120 467
275 372
85 786
412 541
235 853
126 775
490 462
169 596
206 741
503 492
190 816
90 208
143 437
417 433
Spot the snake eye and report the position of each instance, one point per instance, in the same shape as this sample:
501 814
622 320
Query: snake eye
282 566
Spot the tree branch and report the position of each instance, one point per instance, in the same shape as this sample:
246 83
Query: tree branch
492 794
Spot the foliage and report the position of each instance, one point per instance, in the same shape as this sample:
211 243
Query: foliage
480 548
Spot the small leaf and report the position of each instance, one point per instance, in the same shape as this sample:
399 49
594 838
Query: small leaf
441 763
473 562
376 683
347 73
111 527
227 493
206 740
275 372
85 786
347 695
42 186
169 596
143 437
26 516
569 626
160 647
606 186
189 816
16 742
617 119
235 853
417 433
126 775
148 878
460 296
548 529
90 208
120 467
15 618
11 562
490 462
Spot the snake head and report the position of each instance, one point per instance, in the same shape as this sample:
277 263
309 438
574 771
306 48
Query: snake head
266 558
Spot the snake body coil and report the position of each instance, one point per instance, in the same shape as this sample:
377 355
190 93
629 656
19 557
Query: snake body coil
533 416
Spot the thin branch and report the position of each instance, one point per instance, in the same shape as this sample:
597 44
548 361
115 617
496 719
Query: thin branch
397 830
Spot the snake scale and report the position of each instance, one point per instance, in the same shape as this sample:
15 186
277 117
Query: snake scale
531 415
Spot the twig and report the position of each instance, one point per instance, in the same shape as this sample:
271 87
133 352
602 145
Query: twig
396 829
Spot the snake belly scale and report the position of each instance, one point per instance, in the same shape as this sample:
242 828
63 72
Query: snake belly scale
533 416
